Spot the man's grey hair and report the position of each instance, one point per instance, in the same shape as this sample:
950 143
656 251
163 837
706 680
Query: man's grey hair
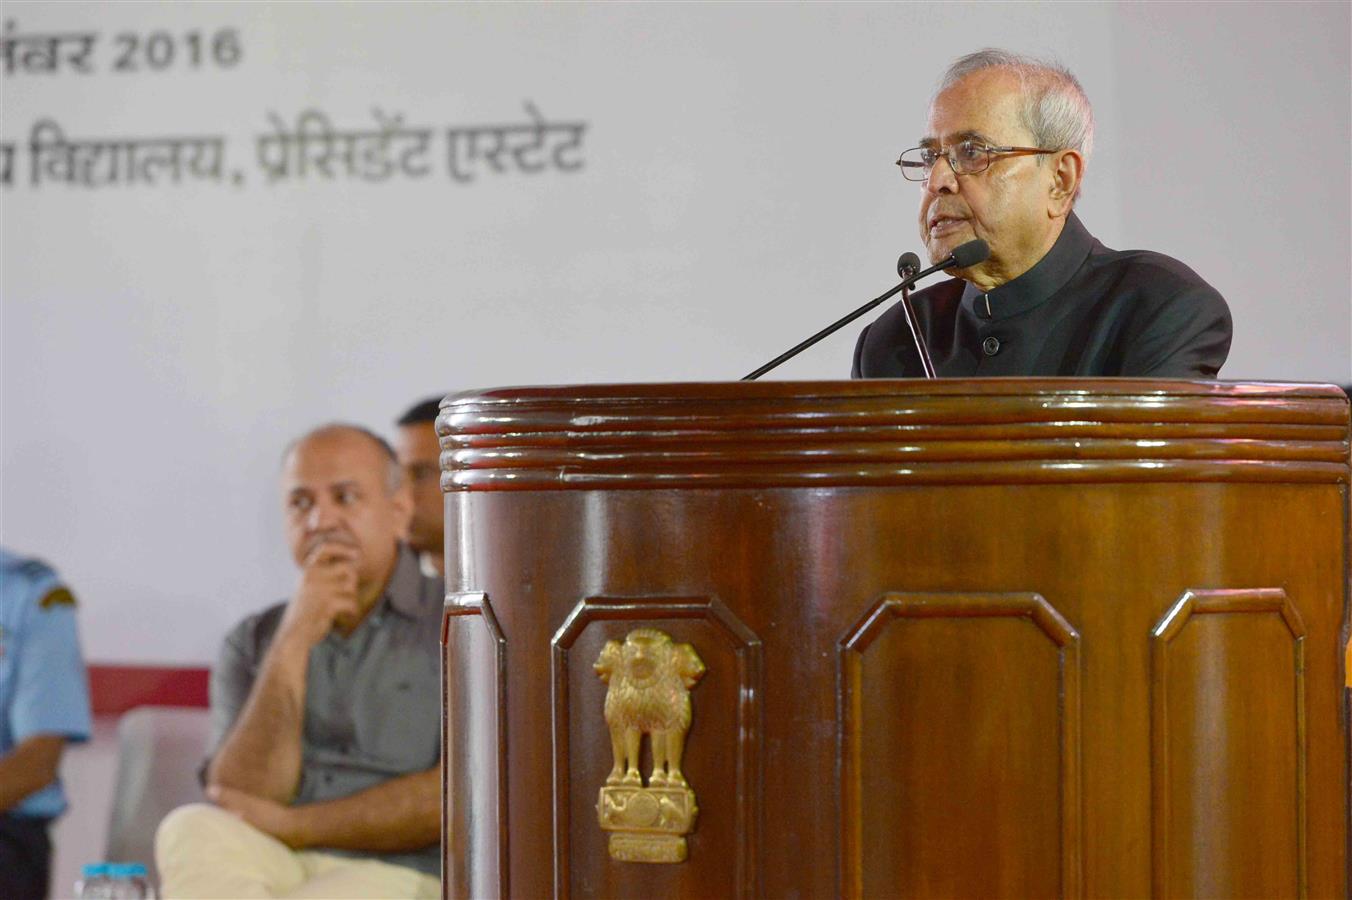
394 475
1055 108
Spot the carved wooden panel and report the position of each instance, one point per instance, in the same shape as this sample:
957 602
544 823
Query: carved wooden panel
1228 734
974 700
474 747
721 761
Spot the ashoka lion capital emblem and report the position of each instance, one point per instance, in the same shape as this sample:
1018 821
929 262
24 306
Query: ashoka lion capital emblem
649 678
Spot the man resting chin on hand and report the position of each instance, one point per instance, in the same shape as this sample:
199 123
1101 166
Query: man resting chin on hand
325 778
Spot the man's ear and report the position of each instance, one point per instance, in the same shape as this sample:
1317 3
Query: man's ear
402 499
1067 174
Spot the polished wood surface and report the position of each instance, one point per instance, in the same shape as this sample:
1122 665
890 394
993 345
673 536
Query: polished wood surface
983 638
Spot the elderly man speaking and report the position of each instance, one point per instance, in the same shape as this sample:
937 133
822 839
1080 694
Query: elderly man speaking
1002 160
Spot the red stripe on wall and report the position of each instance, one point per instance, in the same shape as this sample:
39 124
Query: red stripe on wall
115 689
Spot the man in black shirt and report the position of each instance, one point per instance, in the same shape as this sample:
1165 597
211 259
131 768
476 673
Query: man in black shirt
1003 160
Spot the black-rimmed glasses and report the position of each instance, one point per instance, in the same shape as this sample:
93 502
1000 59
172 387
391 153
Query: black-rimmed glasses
966 158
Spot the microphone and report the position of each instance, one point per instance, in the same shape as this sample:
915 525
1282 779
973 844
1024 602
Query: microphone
908 265
963 256
970 253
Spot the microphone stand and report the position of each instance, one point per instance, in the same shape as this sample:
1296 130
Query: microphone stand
926 364
825 332
835 326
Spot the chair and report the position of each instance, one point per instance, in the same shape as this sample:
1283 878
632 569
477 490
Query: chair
159 752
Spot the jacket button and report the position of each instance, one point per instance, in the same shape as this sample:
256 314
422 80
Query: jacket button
990 346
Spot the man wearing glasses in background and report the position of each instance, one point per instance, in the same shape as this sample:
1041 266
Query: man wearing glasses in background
1003 160
420 454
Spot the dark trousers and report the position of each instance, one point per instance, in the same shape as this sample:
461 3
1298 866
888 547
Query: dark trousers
25 858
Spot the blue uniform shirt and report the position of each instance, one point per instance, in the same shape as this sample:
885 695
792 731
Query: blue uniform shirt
43 686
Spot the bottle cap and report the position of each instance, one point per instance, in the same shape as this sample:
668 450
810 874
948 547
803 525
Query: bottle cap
94 870
127 870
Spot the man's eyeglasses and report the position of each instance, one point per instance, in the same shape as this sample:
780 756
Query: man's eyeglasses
966 158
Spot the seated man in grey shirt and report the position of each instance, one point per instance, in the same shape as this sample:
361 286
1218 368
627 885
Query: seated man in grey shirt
325 778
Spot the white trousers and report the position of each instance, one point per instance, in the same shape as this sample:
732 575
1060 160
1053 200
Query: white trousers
204 851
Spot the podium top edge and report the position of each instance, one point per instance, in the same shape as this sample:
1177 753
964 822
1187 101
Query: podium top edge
892 432
898 387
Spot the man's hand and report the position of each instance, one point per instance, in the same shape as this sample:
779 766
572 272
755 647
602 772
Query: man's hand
277 819
326 596
28 767
260 757
400 815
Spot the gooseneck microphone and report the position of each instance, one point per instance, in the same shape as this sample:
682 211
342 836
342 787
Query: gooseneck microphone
963 256
907 267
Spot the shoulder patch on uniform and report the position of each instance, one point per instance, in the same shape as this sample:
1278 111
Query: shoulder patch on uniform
57 597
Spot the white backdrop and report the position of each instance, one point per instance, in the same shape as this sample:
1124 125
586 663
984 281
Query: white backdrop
162 342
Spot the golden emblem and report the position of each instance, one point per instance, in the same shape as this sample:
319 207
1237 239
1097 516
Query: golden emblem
649 678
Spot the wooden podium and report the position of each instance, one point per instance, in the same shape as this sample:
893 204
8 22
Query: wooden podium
930 639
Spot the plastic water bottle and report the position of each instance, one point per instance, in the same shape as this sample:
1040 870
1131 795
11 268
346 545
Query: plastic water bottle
115 881
131 881
93 882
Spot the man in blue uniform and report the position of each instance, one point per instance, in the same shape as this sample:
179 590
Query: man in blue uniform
44 702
